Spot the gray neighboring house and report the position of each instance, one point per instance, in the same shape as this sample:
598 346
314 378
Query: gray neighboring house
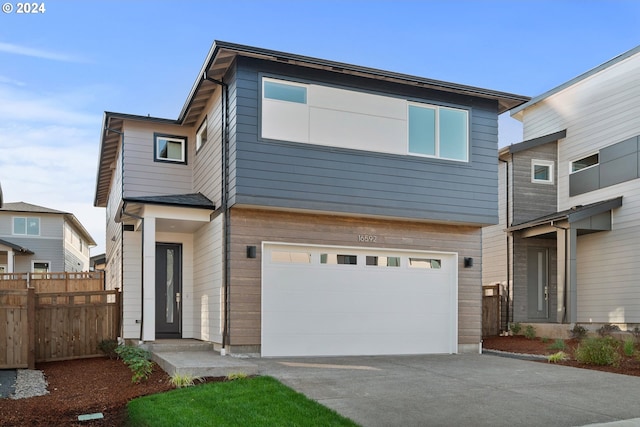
37 239
299 206
567 244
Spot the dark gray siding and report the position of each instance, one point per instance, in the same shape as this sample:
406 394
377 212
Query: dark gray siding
531 199
304 176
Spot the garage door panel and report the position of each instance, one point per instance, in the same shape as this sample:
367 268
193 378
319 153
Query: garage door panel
321 309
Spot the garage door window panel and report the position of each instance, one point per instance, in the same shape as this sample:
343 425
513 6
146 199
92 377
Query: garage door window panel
290 257
383 261
425 263
339 259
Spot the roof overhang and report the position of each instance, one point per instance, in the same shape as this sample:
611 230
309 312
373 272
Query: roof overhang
586 219
16 248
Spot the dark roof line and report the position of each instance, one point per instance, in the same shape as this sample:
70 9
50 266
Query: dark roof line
17 248
195 200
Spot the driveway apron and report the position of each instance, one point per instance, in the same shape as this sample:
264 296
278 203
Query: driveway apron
460 390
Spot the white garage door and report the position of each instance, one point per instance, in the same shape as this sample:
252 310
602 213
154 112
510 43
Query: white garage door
321 301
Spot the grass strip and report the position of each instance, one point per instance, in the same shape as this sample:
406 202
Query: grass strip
258 401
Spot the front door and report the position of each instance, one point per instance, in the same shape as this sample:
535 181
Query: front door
168 290
538 283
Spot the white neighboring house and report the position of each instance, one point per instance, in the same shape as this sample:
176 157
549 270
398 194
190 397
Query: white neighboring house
37 239
570 203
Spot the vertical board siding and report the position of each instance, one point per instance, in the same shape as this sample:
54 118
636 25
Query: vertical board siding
284 174
252 227
598 112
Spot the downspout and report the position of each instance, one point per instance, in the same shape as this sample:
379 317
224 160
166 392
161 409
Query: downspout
123 213
226 233
506 219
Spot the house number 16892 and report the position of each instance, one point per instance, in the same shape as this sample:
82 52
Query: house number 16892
367 238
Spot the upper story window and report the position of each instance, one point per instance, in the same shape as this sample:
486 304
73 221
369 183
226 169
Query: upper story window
542 171
201 135
169 148
438 132
585 162
285 91
26 226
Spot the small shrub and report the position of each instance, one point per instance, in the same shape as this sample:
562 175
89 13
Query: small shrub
558 344
137 359
578 332
236 376
607 329
629 347
545 340
186 380
516 328
598 351
108 347
530 332
557 357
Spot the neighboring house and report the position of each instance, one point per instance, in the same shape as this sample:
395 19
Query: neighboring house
299 206
572 194
38 240
98 262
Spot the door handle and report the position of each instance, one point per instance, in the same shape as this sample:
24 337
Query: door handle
546 293
177 297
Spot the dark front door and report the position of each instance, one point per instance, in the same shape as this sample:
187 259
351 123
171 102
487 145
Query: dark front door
168 290
538 283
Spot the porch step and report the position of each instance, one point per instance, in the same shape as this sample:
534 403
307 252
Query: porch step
201 363
178 345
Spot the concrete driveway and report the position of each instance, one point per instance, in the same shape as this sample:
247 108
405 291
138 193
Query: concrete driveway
459 390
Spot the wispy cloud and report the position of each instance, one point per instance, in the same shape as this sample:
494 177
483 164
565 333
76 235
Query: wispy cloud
10 81
38 53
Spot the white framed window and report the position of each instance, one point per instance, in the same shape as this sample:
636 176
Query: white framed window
26 226
170 148
435 131
542 171
40 266
201 134
585 162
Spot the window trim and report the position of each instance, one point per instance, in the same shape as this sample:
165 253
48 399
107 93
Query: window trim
175 138
437 109
548 163
39 261
26 226
571 171
203 127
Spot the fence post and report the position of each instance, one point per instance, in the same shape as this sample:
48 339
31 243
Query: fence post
31 321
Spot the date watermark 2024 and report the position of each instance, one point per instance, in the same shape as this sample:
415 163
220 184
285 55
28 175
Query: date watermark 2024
24 8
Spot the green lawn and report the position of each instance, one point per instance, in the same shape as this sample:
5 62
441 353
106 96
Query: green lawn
259 401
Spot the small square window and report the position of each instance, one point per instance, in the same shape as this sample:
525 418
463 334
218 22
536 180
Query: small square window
542 171
172 149
201 135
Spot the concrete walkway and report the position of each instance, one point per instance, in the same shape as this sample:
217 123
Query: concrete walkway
460 390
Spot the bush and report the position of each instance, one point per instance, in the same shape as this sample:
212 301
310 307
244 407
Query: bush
186 380
530 332
558 344
598 351
108 347
629 347
557 357
607 329
516 328
578 332
545 340
137 359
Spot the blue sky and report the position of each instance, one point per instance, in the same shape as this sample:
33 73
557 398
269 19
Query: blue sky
61 69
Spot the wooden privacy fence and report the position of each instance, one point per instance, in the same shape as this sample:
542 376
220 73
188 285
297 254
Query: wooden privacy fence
54 282
49 326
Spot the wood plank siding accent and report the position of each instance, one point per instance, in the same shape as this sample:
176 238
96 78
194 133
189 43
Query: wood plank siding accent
251 227
320 178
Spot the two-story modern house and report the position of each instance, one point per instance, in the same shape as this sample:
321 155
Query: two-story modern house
569 203
35 239
299 206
